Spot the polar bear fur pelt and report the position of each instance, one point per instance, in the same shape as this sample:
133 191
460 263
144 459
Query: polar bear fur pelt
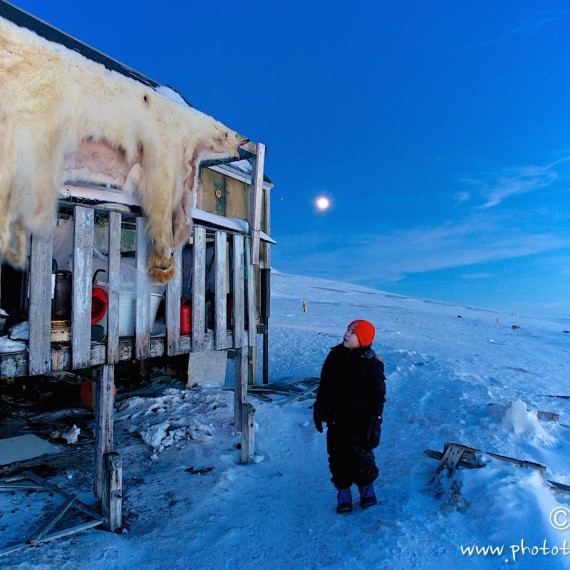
51 99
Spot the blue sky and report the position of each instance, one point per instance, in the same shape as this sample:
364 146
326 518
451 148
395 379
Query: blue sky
439 130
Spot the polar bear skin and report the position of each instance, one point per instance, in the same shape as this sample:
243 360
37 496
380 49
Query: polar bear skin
51 99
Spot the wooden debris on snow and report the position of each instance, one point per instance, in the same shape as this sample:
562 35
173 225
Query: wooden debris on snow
457 455
45 532
291 391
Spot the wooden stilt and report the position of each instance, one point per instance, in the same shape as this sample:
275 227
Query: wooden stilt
240 390
112 497
248 433
104 399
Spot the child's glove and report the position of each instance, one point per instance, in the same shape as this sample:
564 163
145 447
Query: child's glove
373 433
318 416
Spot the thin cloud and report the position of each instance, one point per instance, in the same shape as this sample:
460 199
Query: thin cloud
508 183
391 256
527 27
528 179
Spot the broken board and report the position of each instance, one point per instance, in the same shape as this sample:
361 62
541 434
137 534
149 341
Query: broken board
23 447
457 455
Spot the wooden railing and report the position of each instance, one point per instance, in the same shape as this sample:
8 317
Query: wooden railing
229 271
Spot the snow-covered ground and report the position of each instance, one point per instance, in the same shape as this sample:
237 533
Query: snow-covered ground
455 374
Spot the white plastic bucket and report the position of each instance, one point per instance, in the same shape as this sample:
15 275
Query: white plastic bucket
127 313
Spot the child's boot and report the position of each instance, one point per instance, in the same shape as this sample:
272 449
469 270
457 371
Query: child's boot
344 501
367 496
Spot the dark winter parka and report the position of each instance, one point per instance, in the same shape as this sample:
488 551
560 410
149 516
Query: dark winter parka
352 390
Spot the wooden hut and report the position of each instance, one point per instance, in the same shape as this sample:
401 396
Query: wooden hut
216 302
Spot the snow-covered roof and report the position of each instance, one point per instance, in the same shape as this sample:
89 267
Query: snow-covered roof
45 30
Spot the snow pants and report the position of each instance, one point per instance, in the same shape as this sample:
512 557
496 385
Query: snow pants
349 461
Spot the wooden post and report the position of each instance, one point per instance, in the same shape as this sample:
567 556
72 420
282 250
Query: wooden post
248 433
173 295
81 297
238 290
251 339
40 306
142 302
199 290
113 275
221 290
266 356
256 201
112 496
265 310
240 386
103 400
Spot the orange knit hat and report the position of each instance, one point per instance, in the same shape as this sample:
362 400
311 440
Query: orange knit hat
364 331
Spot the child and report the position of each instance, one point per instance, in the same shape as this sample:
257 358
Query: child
350 399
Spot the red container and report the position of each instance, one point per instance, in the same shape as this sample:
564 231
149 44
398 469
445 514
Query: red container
99 302
185 318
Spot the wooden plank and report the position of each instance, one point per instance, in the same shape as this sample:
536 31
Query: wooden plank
81 296
451 457
457 453
301 396
112 499
240 386
173 296
238 290
559 487
221 290
113 276
15 364
142 302
548 416
252 319
40 306
104 399
65 506
199 290
468 462
256 201
73 530
47 485
248 433
267 247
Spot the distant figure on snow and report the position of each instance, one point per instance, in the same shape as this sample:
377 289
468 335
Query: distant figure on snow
350 399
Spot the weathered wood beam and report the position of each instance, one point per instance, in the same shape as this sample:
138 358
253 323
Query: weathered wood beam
256 201
142 301
221 290
240 386
81 296
103 390
113 276
199 290
173 296
112 495
40 306
248 433
238 290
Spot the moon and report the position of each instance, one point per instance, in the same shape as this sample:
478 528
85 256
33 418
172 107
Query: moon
322 203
